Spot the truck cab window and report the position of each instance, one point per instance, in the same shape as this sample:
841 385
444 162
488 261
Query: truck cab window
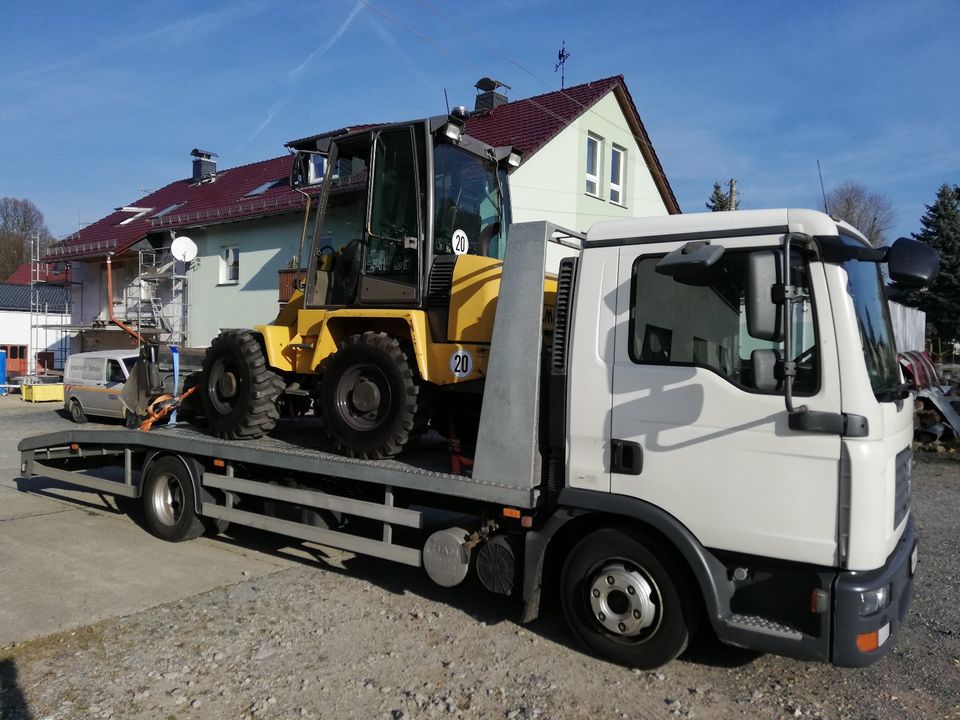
704 324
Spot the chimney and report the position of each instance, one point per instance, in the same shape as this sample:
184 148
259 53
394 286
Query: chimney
203 164
487 96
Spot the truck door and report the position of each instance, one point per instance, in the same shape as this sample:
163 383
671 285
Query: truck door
690 430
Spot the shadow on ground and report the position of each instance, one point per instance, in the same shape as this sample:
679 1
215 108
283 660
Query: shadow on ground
13 703
469 597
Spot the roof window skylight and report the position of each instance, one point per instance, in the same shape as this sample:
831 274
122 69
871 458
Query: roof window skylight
261 189
168 210
138 212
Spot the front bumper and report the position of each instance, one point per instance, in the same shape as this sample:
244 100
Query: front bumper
849 625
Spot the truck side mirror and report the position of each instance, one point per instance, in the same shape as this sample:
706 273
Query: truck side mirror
764 314
912 263
690 261
767 370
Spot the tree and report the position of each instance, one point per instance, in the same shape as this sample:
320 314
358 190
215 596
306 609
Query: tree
719 200
20 223
870 213
941 231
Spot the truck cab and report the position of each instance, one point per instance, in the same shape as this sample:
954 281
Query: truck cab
778 447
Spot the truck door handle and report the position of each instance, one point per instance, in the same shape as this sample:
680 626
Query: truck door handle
626 457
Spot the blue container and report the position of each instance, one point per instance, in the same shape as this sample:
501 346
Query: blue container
3 371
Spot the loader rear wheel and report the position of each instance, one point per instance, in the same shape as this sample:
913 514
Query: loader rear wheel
369 396
239 392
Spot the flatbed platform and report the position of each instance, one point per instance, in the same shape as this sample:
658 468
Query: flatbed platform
301 446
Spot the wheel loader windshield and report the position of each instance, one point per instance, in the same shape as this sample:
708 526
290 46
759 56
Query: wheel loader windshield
467 205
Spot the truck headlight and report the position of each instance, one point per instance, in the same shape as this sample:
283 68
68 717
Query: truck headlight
874 600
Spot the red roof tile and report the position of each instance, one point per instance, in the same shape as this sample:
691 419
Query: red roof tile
220 199
531 123
46 273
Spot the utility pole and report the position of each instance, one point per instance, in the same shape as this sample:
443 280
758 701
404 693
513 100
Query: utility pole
733 193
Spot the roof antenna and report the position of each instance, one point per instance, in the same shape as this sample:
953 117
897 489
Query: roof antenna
446 100
824 192
562 56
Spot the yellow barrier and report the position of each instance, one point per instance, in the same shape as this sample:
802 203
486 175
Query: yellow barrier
42 392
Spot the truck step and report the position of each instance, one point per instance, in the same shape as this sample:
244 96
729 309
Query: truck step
756 623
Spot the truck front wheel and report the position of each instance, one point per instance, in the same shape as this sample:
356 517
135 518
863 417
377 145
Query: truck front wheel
627 601
169 501
369 396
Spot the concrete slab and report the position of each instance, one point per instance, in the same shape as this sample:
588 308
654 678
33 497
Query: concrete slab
63 567
70 556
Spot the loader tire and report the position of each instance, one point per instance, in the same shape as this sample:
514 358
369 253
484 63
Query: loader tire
369 396
239 391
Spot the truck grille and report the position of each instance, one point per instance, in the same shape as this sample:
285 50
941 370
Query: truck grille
902 500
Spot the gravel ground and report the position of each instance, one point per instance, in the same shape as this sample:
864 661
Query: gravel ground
349 637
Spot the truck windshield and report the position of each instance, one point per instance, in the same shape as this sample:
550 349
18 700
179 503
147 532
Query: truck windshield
467 204
876 331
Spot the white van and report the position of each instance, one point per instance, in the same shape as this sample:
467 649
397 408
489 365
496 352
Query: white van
93 381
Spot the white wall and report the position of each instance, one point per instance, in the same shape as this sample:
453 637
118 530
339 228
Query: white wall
551 184
15 330
266 245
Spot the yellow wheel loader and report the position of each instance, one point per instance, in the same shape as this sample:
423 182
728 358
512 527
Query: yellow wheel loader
392 324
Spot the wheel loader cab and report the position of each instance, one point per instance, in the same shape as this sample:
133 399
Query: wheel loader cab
381 224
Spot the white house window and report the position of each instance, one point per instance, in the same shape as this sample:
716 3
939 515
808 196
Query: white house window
230 265
618 158
318 165
594 150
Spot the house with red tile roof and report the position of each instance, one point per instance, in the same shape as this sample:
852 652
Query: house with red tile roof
586 156
45 273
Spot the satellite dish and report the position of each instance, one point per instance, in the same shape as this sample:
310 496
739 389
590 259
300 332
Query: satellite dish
183 249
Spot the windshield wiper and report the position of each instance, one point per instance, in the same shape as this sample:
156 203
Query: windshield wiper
899 392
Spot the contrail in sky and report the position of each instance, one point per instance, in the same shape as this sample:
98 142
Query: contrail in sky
329 43
294 73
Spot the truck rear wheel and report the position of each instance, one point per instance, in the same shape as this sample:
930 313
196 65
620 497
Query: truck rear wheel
626 600
369 396
169 501
239 391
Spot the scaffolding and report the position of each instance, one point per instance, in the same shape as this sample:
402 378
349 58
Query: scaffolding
157 298
49 325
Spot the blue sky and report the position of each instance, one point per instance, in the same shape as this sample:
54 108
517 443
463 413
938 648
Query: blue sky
102 100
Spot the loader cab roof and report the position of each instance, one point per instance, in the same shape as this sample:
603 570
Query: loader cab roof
321 143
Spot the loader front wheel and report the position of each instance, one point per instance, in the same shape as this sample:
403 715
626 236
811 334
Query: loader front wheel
369 396
239 391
